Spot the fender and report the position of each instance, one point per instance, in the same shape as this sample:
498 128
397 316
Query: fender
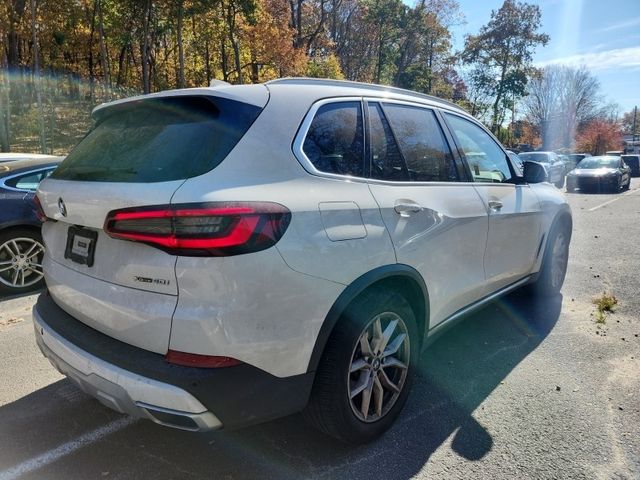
385 272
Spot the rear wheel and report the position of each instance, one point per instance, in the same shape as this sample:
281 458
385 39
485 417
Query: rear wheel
21 252
554 263
365 372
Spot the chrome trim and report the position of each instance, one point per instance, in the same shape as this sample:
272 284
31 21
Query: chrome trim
3 182
298 141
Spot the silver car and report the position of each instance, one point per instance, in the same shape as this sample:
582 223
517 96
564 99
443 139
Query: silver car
221 256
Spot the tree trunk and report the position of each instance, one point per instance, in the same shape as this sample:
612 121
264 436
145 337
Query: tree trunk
180 46
104 55
36 76
146 76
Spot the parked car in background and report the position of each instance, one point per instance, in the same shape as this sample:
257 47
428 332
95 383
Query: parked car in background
199 285
614 153
603 173
14 157
576 158
515 159
21 247
568 166
553 165
633 162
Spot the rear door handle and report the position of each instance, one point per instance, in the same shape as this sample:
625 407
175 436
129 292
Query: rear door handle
406 207
495 205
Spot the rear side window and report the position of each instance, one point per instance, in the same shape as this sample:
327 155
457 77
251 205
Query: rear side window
29 181
335 140
422 143
158 140
386 160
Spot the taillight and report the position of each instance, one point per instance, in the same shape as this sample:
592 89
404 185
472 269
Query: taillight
201 361
210 229
39 210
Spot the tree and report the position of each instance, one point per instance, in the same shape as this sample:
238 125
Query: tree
504 48
599 136
630 120
559 100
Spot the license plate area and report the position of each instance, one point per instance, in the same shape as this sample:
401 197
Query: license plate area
81 245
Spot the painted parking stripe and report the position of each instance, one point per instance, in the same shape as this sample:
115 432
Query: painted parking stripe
65 449
614 200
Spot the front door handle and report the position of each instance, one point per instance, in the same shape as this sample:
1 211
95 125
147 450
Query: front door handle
495 205
406 207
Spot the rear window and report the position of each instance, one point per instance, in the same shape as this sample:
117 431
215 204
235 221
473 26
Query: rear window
158 140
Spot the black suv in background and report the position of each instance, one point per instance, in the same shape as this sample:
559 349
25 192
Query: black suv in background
633 162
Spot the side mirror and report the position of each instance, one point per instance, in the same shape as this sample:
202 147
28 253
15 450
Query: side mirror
534 172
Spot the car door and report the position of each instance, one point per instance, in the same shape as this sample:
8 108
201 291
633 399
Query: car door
515 216
437 223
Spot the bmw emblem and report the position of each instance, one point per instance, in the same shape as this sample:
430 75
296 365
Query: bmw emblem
62 208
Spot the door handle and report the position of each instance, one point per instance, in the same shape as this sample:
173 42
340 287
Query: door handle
495 205
406 208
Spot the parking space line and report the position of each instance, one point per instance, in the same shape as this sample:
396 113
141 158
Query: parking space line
614 200
65 449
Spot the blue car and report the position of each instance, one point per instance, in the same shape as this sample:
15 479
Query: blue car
21 246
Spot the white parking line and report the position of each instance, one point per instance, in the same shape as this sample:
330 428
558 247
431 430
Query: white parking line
614 200
65 449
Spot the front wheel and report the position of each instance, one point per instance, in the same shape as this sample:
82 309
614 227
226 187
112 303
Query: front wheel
560 183
364 375
554 263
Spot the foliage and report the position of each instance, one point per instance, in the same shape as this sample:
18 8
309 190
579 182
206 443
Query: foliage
599 136
328 67
502 52
605 304
628 122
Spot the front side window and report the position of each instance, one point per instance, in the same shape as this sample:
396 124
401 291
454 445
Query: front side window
422 143
487 161
335 140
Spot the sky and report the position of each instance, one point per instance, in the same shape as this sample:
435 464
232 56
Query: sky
603 35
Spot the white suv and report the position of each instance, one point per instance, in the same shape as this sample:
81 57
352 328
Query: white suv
221 256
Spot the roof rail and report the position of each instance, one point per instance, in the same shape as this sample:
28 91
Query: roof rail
370 86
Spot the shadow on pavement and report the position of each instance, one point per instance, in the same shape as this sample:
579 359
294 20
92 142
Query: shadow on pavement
456 375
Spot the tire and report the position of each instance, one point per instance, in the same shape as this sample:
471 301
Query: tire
560 183
333 408
554 263
627 186
21 251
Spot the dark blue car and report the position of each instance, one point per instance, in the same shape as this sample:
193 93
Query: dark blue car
21 247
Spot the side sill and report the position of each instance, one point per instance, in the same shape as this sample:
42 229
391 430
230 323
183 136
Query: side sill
453 320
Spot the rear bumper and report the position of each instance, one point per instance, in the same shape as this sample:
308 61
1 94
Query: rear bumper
141 383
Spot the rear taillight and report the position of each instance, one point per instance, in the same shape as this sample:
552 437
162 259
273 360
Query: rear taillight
200 361
211 229
39 210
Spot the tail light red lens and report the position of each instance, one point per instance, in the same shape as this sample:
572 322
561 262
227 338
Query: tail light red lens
199 361
39 210
211 229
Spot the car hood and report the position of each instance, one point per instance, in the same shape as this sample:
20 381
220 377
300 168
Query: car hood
594 172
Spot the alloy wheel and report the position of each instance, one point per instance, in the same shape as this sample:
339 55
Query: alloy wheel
21 262
559 259
379 366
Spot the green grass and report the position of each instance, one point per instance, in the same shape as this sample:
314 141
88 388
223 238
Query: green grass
605 304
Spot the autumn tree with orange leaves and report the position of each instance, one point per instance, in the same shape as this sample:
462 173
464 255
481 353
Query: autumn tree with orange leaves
599 136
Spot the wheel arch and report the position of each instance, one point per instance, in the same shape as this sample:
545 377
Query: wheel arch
402 278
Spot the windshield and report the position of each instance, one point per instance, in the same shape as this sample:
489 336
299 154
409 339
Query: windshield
599 162
158 140
534 157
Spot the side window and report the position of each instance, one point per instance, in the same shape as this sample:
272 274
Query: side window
487 161
422 143
29 181
335 140
386 161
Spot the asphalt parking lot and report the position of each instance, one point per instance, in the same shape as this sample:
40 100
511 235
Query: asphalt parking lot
518 390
